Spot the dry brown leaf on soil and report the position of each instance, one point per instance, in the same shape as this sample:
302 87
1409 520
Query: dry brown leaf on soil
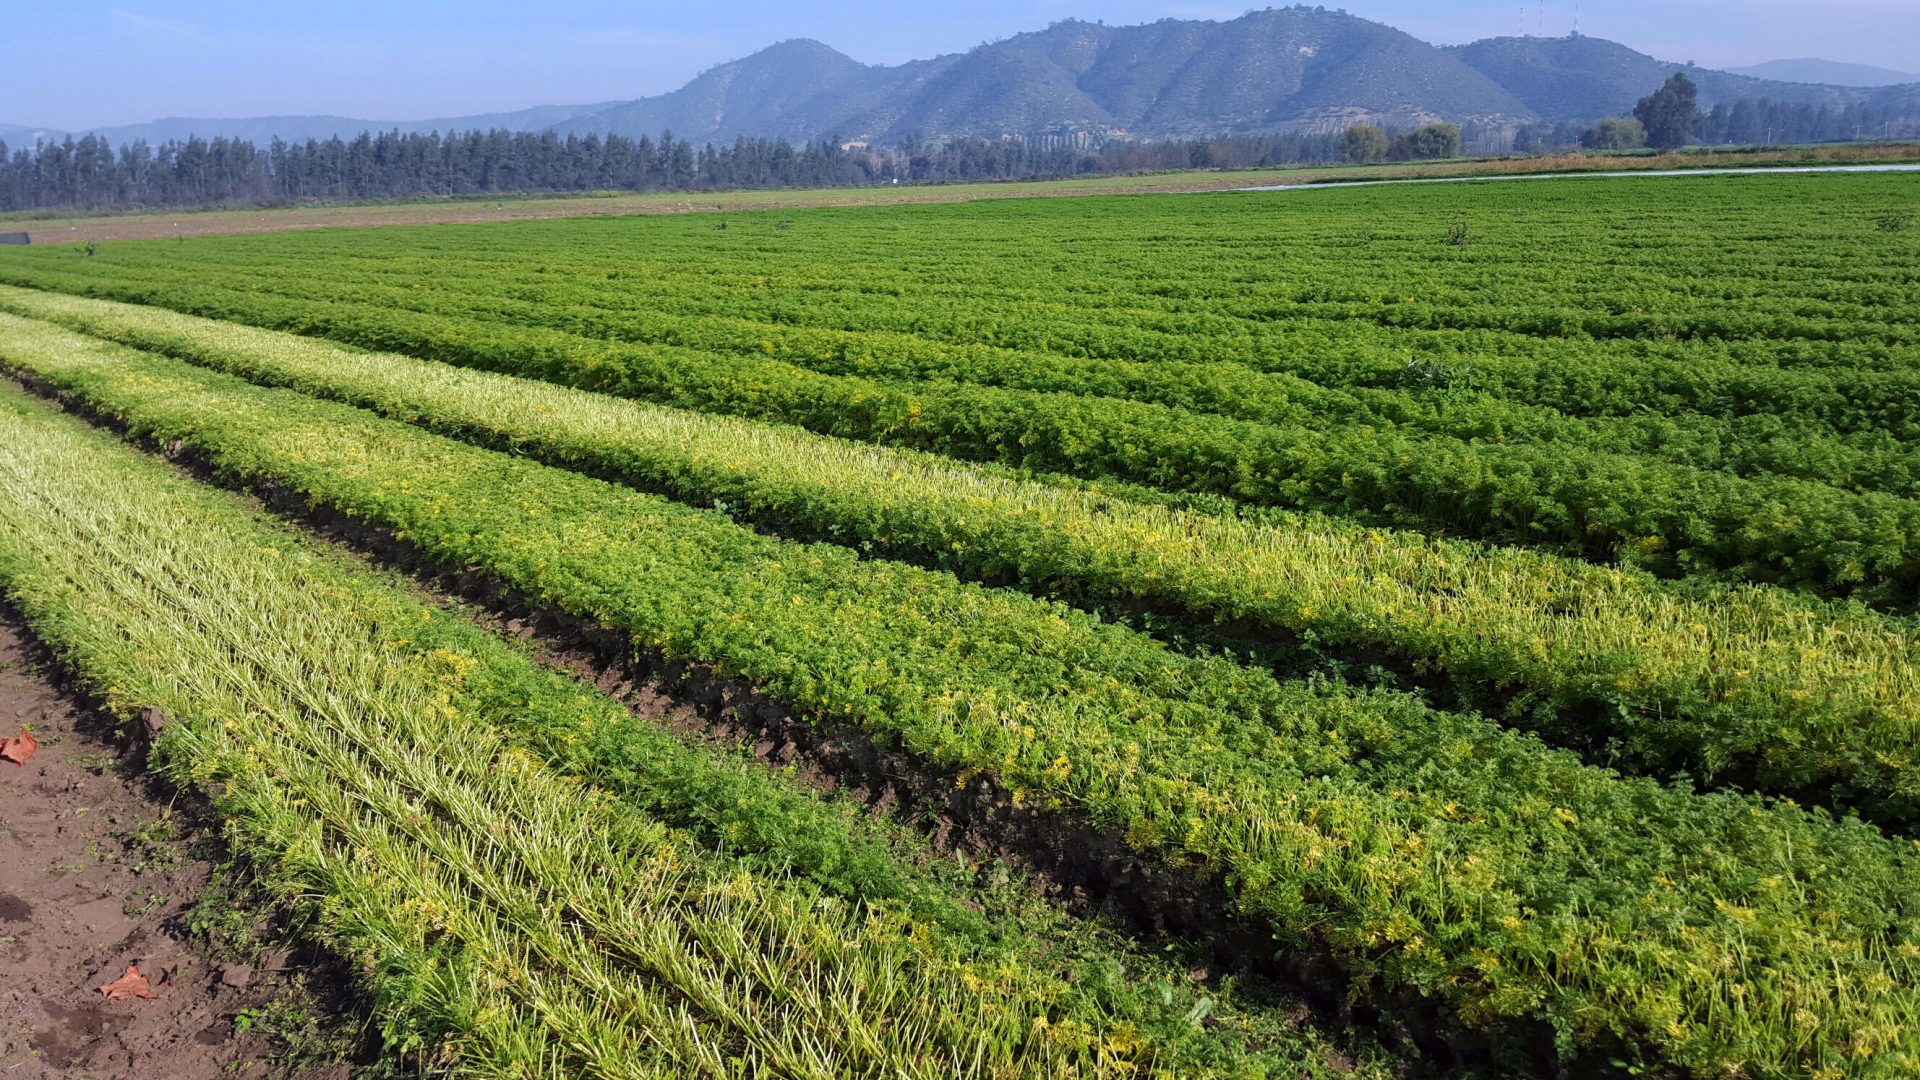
18 750
131 985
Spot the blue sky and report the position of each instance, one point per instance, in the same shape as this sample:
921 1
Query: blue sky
72 64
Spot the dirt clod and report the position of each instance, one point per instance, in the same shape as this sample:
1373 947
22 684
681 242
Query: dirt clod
152 722
236 976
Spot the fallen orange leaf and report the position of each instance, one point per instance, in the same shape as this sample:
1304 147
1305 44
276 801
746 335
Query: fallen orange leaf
20 749
131 985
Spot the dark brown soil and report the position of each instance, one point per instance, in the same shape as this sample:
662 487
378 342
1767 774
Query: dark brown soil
97 873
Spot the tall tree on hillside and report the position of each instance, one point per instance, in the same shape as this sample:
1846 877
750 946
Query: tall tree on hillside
1670 113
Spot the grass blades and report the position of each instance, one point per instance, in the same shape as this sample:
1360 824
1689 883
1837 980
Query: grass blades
1750 684
371 756
1432 851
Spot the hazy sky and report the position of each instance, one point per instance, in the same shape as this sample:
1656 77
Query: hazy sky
73 64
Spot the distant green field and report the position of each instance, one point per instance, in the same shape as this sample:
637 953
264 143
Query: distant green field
1503 592
54 227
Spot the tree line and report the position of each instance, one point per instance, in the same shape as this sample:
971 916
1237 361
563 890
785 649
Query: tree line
91 174
1670 117
1364 144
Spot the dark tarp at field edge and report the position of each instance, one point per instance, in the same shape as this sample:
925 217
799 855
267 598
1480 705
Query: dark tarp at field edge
14 238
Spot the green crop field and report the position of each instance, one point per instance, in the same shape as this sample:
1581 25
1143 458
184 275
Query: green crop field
1445 630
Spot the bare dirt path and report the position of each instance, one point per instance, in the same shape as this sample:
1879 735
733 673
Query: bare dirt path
95 877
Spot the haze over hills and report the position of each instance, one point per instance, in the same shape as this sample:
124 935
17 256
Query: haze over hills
1268 70
21 135
262 129
1831 72
1584 78
1295 68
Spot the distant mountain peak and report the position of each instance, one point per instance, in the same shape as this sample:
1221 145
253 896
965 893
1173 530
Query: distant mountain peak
803 46
1266 70
1273 69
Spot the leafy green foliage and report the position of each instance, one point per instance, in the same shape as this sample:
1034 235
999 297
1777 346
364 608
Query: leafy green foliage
1727 390
1363 144
1432 850
1670 113
403 779
1766 435
1615 133
1427 143
1749 684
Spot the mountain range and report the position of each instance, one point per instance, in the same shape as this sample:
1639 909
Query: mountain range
1296 68
1833 72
